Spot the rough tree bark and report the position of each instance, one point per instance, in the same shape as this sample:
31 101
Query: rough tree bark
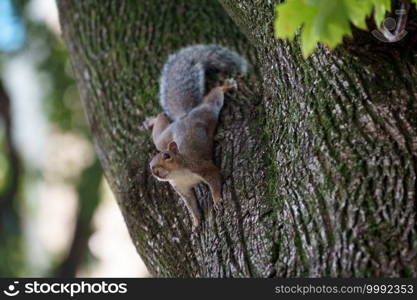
318 156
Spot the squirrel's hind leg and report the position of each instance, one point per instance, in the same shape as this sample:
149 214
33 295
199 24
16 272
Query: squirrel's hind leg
216 96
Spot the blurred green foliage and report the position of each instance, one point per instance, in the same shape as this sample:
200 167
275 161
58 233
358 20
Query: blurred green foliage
63 109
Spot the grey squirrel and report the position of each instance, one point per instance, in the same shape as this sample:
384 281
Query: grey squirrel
184 132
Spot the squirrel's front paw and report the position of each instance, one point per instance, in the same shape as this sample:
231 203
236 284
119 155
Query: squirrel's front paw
217 202
230 85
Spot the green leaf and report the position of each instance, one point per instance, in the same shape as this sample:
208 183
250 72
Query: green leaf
358 10
327 21
290 17
332 23
381 6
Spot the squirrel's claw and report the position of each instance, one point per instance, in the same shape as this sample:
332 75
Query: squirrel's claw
149 122
230 85
217 204
196 225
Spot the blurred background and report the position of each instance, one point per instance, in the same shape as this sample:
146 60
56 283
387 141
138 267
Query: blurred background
58 217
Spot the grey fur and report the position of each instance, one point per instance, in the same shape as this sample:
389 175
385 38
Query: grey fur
183 75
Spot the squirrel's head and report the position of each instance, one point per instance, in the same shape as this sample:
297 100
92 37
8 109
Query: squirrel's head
165 162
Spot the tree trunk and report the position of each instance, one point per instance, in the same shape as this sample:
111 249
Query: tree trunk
318 156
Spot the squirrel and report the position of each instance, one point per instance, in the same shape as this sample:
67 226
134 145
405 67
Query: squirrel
184 132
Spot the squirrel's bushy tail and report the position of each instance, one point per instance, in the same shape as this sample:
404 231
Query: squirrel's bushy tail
183 76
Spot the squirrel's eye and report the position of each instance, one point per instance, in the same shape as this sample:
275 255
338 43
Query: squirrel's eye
167 156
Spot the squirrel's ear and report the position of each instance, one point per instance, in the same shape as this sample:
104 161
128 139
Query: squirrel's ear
173 147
